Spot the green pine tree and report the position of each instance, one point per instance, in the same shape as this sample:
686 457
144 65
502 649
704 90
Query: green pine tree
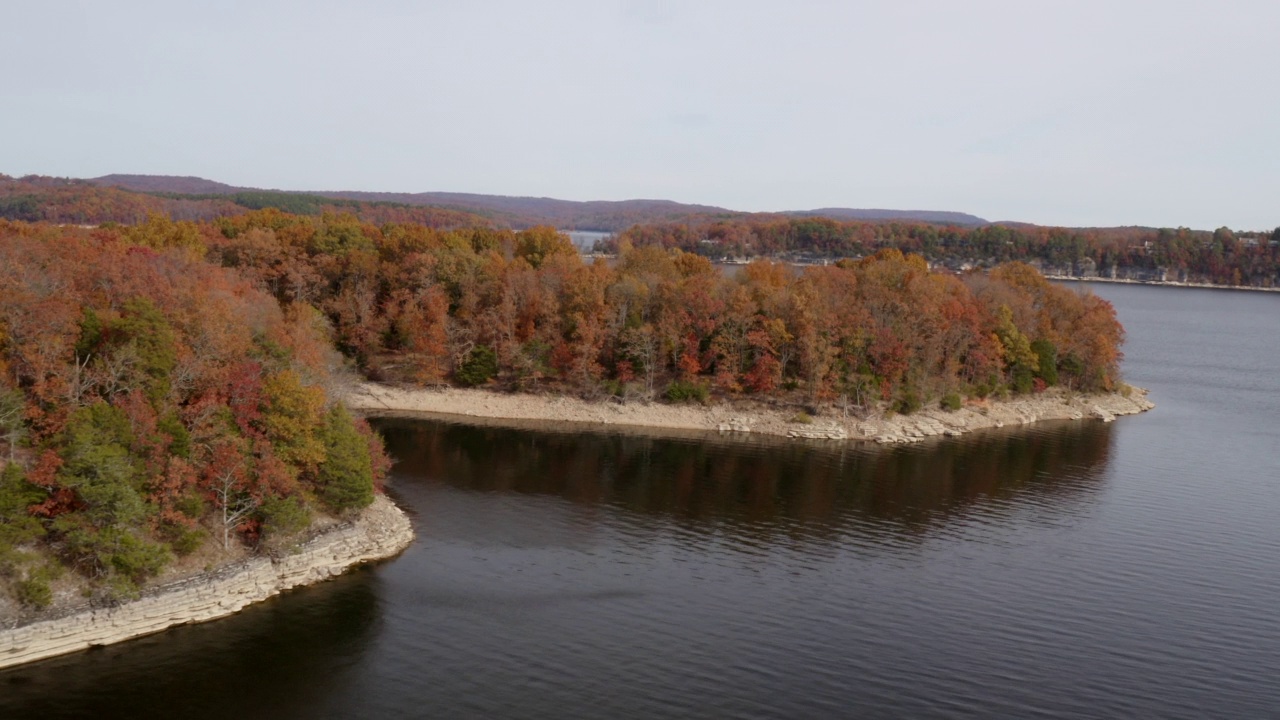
346 475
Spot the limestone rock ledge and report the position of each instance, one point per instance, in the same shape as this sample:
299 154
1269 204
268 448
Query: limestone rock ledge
1053 405
381 531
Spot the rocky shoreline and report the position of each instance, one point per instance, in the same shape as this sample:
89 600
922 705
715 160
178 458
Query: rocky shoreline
380 531
383 530
1055 404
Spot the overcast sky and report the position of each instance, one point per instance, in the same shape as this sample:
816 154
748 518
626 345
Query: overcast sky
1075 113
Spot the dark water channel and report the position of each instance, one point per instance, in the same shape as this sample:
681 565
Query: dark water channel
1067 570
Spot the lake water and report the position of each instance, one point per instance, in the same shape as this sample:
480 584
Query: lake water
585 240
1066 570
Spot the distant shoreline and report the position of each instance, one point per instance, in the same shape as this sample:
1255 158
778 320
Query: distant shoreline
735 264
745 417
1160 283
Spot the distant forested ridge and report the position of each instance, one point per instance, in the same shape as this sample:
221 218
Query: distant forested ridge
1222 257
83 202
524 212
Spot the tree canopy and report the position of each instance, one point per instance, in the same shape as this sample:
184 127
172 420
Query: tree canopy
163 384
150 400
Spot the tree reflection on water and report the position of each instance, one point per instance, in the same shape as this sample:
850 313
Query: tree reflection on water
762 484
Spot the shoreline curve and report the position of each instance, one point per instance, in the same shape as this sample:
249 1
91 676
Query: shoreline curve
381 531
375 398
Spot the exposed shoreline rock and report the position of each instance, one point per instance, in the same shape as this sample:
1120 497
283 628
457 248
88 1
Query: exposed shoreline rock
380 531
1055 404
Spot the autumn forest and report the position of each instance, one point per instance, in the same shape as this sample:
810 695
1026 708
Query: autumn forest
167 387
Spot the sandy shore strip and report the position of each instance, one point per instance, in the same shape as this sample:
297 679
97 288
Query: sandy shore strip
1055 404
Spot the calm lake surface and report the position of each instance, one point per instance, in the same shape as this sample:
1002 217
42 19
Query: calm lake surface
1067 570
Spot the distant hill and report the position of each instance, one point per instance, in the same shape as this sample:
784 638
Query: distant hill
520 212
940 217
181 184
603 215
69 201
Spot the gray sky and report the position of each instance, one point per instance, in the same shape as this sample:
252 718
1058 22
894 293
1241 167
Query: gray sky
1075 113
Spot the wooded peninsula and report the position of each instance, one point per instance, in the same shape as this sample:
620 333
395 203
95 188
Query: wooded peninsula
168 388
